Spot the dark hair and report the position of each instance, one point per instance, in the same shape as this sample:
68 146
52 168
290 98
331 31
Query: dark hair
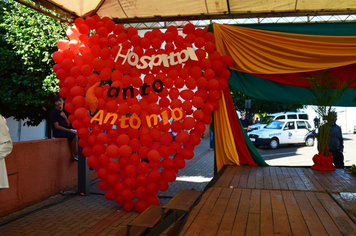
57 97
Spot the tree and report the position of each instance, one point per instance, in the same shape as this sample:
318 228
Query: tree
260 106
27 80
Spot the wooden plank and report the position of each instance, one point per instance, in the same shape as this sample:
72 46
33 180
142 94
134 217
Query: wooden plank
310 174
288 178
244 177
299 184
308 183
217 213
226 177
195 211
296 220
280 218
253 222
251 182
344 223
324 182
259 178
267 181
200 220
149 218
350 179
312 220
274 178
236 178
347 201
335 184
266 214
183 200
345 184
323 215
239 227
228 219
281 180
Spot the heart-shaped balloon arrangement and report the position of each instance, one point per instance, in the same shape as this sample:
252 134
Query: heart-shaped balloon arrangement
128 94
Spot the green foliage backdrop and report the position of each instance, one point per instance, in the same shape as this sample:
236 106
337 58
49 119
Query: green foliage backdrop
27 81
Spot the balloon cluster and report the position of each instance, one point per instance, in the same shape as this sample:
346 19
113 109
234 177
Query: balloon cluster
133 164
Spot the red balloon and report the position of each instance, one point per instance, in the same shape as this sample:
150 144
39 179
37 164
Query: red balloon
179 162
113 167
153 156
83 132
103 173
98 149
152 188
103 185
186 153
130 183
154 176
113 151
127 195
130 170
188 123
141 180
165 151
119 187
112 179
169 175
152 199
104 160
125 150
143 168
141 205
166 138
93 161
134 159
182 137
162 184
141 192
87 151
175 147
128 205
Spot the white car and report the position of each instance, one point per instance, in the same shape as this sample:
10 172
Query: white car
283 132
288 115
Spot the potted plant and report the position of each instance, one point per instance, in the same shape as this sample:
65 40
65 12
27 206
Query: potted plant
327 90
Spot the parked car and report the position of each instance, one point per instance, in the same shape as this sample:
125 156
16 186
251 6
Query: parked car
283 132
279 116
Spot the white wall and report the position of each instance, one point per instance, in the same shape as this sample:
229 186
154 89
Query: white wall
19 132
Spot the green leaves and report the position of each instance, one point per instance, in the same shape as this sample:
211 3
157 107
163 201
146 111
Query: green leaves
27 41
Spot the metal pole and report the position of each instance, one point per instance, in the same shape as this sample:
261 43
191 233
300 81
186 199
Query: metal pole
83 174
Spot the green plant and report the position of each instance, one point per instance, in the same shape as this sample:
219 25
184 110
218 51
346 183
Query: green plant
327 90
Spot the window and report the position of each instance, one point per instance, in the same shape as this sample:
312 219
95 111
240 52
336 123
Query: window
294 116
280 117
301 125
290 125
303 116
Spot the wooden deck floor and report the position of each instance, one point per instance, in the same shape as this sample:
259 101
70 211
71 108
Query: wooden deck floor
246 200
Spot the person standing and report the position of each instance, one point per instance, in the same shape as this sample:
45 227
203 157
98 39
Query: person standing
245 123
5 149
61 126
336 143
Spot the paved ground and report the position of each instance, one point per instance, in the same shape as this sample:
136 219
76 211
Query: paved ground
300 155
71 214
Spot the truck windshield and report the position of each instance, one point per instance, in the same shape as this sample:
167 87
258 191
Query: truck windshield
266 119
275 125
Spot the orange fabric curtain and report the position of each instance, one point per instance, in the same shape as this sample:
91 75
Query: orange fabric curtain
268 52
225 148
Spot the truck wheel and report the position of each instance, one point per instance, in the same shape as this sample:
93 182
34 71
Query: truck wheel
309 141
273 143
